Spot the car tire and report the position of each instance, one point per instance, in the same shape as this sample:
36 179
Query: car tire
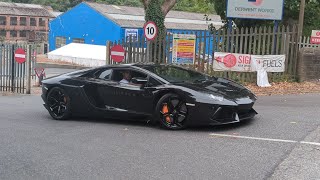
176 116
58 103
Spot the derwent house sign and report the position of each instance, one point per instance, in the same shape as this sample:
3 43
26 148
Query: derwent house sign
255 9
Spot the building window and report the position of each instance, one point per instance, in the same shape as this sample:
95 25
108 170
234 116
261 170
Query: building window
23 21
3 20
42 22
3 33
13 33
23 33
33 22
13 21
78 40
60 41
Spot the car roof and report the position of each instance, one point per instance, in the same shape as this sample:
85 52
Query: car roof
142 65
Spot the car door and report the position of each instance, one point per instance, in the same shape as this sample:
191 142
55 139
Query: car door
99 87
130 97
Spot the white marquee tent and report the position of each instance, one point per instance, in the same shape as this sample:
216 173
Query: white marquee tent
81 54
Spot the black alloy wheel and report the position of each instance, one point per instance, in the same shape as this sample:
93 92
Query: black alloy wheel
58 103
172 112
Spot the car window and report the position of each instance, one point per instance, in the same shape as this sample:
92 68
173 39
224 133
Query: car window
105 74
119 74
177 74
153 82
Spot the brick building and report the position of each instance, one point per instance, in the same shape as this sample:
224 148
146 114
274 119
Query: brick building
24 22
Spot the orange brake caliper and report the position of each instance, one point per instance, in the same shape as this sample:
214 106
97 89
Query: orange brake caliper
165 110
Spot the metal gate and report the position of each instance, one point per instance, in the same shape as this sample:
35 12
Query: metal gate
15 77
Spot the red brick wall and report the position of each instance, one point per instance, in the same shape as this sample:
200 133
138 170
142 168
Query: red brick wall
309 64
28 28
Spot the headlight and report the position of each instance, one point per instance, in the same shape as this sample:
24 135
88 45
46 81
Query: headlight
217 98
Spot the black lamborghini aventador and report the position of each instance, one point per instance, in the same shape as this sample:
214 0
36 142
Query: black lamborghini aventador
174 96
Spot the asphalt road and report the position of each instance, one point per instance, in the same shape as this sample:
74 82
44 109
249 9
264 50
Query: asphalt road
280 143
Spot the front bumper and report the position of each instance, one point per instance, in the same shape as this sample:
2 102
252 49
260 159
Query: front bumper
44 96
227 115
44 101
210 114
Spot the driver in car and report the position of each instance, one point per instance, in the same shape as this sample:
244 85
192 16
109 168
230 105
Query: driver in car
126 77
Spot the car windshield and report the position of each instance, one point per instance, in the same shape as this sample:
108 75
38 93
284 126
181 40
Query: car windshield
175 74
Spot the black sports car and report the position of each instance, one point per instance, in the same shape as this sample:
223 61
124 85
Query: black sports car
172 95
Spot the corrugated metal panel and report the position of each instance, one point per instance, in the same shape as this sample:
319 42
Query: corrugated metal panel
139 24
56 14
86 23
24 10
127 16
167 20
8 4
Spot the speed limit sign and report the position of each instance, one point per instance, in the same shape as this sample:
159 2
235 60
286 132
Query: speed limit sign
150 30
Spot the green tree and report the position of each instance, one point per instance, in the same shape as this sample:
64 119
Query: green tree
135 3
291 14
199 6
156 11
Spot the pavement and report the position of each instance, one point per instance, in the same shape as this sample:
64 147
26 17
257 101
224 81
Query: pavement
282 142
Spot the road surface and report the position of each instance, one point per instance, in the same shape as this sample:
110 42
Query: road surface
282 142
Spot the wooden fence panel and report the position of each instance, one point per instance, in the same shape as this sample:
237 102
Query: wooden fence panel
254 40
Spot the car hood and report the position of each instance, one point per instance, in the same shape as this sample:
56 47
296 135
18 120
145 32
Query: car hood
223 87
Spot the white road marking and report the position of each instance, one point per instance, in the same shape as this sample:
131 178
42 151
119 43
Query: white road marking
254 138
311 143
264 139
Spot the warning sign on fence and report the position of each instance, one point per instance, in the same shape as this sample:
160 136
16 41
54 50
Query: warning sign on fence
183 51
248 63
20 55
315 37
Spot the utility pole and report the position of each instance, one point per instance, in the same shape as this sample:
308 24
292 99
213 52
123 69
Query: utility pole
300 30
301 17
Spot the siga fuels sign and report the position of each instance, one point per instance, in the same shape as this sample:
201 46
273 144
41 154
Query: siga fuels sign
315 37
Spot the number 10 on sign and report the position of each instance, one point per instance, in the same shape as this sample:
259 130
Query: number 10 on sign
150 30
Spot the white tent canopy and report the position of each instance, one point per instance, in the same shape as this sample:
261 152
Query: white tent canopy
81 54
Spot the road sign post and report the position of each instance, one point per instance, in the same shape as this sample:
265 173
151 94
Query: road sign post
12 68
108 45
20 55
150 30
117 53
29 57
